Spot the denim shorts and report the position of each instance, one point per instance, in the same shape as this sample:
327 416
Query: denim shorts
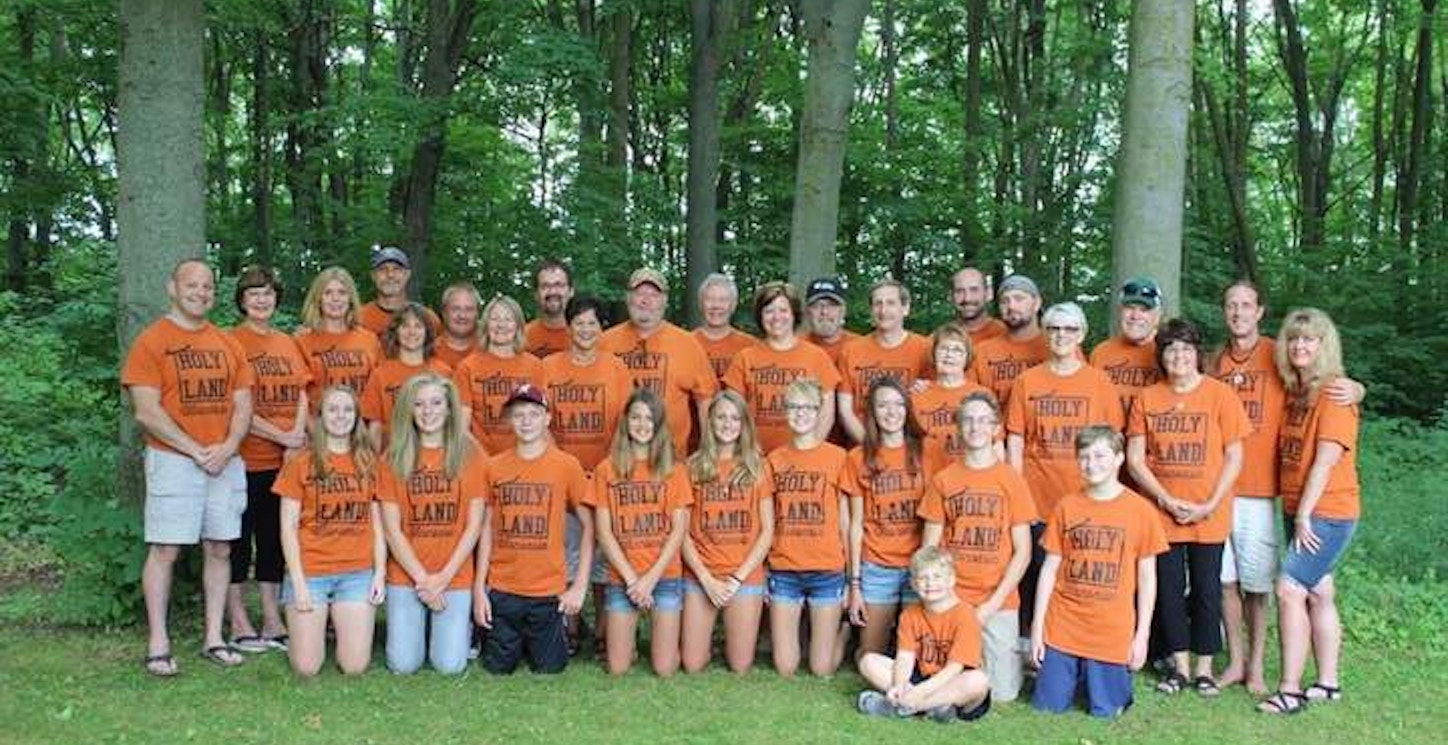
882 585
668 597
692 586
347 587
1308 569
819 588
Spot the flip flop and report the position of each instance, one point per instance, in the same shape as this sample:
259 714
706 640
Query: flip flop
1173 684
250 643
1283 703
162 666
222 656
1206 687
278 642
1320 692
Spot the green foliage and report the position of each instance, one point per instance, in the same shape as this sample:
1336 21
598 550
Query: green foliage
1404 529
101 541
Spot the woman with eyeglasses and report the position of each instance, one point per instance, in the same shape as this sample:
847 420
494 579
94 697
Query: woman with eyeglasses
936 403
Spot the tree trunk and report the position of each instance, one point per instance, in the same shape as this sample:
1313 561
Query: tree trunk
16 269
161 163
1381 151
1150 181
1418 134
972 234
833 31
261 155
705 21
306 135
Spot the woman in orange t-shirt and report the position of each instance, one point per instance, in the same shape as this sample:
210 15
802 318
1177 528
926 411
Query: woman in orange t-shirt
938 401
1318 470
487 377
433 486
1185 452
641 502
409 345
884 478
730 529
338 349
331 535
807 559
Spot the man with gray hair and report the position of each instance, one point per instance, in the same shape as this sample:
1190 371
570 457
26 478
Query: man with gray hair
718 299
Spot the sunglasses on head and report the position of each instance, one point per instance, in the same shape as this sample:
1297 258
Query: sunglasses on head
1140 288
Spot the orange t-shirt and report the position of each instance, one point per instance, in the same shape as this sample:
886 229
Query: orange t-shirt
1131 367
721 352
386 381
197 372
807 513
1259 386
1186 436
724 521
761 373
485 381
938 639
937 411
999 361
529 501
992 329
977 509
339 359
375 318
443 352
541 340
584 403
641 513
833 348
671 363
1047 411
1092 613
434 511
890 494
1304 425
281 375
864 360
335 527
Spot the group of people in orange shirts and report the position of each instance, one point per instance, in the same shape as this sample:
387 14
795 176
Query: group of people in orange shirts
974 502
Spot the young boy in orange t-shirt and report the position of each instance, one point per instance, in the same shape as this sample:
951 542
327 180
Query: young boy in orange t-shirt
1097 588
936 669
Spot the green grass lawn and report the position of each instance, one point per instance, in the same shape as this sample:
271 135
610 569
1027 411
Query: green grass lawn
66 686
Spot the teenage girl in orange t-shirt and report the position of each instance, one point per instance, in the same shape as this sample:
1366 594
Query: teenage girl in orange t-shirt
409 345
331 536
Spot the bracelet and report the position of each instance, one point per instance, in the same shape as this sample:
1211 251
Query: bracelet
736 579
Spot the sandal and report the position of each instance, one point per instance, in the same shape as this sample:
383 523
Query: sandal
250 643
162 665
1320 692
1173 684
1206 687
222 656
278 642
1283 702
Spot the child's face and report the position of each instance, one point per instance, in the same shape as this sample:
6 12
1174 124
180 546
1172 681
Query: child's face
1099 463
803 413
933 583
640 423
978 425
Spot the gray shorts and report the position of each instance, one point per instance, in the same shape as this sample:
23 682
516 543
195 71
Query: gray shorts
1003 662
1249 559
185 505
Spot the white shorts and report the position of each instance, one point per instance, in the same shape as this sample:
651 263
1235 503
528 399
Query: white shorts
1249 558
1003 662
185 505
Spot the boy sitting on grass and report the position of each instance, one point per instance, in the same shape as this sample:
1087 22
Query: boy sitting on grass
936 670
1097 587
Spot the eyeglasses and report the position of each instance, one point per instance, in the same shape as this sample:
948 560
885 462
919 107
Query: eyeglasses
1063 329
801 407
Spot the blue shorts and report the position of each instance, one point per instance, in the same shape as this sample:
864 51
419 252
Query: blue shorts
1063 676
882 585
1308 569
818 588
668 598
347 587
692 587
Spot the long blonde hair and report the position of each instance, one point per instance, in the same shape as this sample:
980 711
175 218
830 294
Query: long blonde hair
704 463
661 447
1326 368
363 453
312 305
406 445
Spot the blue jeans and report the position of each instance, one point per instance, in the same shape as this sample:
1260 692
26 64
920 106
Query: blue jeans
408 637
1107 685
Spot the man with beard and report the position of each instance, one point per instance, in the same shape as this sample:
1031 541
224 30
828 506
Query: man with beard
391 269
970 292
824 307
460 304
1000 360
1129 357
718 298
548 333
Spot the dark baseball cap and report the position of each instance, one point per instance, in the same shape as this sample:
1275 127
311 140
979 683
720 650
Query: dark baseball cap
825 288
527 393
1141 291
384 254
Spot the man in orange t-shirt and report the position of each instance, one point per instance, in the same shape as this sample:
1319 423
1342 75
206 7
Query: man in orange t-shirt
970 293
1130 356
718 299
460 306
889 351
824 305
521 589
662 356
190 388
999 361
391 269
548 333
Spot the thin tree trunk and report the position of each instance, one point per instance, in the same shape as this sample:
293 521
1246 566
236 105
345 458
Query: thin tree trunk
1381 152
701 227
261 142
1419 134
971 231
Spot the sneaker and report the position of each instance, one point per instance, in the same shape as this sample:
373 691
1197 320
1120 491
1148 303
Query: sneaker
874 704
943 714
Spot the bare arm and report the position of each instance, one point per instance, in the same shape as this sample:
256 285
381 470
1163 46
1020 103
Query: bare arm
827 418
1327 456
482 605
1145 604
146 403
845 411
572 600
1045 588
1231 468
855 540
1016 452
1137 465
1015 569
931 533
399 545
379 556
291 512
603 533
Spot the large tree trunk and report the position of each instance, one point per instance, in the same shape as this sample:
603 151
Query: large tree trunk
833 32
161 162
705 25
306 134
1150 181
972 233
261 151
16 269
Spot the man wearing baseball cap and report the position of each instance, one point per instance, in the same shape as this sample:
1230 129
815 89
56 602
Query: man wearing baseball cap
391 268
661 356
1129 357
824 306
999 361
